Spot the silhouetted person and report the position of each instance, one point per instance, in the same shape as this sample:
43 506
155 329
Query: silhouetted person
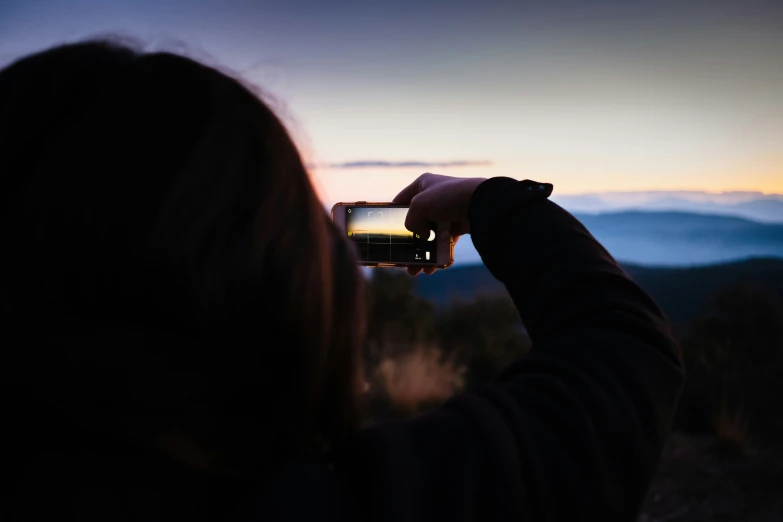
182 325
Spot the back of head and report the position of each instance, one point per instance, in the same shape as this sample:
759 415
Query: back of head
168 271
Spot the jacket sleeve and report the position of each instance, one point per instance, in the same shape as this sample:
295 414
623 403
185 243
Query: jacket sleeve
571 431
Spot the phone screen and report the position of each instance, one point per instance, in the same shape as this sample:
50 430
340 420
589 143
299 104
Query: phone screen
381 236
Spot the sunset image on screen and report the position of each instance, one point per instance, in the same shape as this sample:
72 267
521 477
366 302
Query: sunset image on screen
380 235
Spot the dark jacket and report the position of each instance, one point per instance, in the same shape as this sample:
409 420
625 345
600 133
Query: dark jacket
573 431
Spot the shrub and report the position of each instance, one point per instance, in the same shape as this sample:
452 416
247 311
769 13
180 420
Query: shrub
420 379
734 360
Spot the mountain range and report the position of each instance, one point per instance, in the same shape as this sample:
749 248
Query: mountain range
764 208
673 239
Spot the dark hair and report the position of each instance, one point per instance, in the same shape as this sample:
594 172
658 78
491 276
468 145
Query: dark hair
169 271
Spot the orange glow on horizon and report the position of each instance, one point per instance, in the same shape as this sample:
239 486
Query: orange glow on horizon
346 185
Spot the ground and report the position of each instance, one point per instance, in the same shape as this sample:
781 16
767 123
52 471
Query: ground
696 482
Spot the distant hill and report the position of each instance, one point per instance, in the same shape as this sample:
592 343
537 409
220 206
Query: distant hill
756 207
681 292
673 238
685 292
682 238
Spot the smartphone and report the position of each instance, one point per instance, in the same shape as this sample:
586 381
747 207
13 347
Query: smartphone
381 239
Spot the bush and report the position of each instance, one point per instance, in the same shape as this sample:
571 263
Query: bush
485 334
417 356
734 359
421 379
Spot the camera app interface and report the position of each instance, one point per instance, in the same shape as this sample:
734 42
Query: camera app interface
381 236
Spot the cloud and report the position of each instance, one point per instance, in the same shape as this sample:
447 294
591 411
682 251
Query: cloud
407 164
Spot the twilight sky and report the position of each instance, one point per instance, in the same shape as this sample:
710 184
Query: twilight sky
592 96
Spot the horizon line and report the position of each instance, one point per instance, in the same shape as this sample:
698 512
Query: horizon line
678 191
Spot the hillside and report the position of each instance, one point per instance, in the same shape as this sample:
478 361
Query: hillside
681 292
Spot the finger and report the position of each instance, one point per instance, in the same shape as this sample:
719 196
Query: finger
408 193
430 270
419 185
417 218
414 270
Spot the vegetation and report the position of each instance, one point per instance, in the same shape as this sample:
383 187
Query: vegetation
734 358
725 460
733 349
417 353
419 379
